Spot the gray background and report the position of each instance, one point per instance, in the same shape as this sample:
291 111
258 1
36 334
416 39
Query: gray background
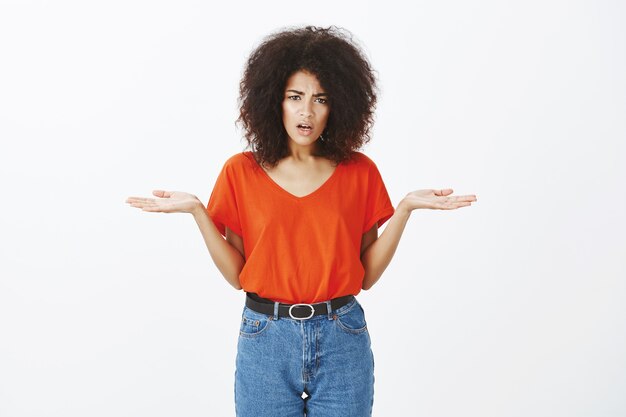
511 307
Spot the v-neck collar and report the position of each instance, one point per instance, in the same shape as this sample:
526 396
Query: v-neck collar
325 184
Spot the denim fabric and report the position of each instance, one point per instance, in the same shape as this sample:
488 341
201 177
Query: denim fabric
327 357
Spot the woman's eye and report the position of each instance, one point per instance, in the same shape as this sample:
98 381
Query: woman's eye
319 99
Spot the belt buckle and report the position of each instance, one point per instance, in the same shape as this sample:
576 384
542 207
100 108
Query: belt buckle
301 318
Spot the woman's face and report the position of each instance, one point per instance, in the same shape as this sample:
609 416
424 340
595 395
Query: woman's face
305 108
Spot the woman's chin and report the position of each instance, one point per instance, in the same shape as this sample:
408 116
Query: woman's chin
303 140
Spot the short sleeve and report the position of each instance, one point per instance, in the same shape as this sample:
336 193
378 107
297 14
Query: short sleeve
378 207
222 206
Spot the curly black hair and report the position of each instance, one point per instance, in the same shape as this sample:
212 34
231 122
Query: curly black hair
343 71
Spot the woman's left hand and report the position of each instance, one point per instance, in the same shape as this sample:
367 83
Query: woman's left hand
436 199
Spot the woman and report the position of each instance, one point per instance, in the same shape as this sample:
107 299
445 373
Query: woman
300 214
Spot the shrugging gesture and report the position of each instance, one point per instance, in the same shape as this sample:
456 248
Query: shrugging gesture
377 255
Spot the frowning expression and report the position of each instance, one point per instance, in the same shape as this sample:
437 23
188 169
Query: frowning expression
305 108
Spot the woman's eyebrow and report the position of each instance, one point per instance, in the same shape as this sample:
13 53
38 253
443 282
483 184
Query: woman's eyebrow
301 93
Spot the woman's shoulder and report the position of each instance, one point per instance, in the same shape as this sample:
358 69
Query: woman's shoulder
240 160
360 159
361 156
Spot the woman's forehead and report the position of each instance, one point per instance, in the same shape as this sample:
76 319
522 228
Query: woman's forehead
303 79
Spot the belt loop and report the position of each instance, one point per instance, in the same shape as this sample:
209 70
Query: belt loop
329 309
276 303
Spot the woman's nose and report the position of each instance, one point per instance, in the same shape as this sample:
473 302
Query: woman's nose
305 110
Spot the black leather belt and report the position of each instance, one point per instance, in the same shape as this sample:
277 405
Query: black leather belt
299 311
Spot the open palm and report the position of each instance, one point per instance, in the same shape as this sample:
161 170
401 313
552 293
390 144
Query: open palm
170 202
437 199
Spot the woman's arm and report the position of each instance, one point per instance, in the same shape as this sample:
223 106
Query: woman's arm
227 254
378 255
226 257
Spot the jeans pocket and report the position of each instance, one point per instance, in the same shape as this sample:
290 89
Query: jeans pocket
352 320
253 323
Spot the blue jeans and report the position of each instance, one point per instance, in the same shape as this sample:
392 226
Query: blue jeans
327 357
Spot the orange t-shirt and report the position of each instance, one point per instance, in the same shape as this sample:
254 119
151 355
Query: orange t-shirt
300 249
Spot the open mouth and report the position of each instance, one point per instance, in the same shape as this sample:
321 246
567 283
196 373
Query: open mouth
305 128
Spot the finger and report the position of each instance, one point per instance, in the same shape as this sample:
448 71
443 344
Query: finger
139 205
155 205
467 198
443 191
135 199
461 198
459 205
162 193
129 199
144 203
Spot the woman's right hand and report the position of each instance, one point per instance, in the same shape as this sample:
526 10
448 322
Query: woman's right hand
170 202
